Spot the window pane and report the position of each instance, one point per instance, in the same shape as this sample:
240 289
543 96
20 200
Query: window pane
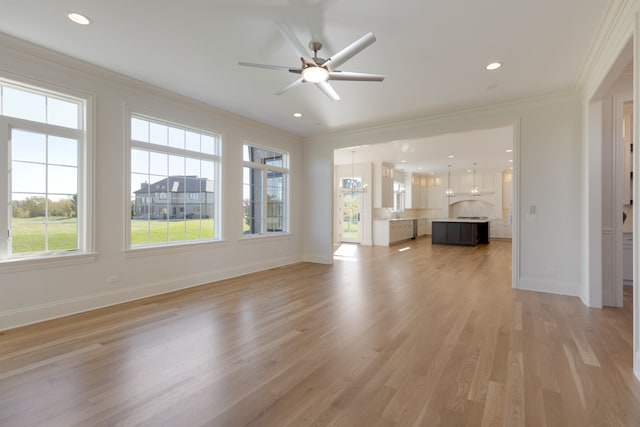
193 141
28 235
62 234
24 105
28 177
63 151
158 133
139 161
208 144
28 146
62 113
158 163
176 137
176 165
63 180
139 130
193 166
171 200
252 200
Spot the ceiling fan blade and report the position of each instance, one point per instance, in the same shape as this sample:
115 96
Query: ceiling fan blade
270 67
293 84
295 43
349 52
328 90
357 77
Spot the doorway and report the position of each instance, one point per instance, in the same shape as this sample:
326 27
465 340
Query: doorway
349 209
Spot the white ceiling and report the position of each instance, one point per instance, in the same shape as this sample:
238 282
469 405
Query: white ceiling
433 52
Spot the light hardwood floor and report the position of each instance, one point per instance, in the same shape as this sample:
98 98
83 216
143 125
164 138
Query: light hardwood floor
432 335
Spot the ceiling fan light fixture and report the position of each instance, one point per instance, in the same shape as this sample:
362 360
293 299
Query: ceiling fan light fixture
313 74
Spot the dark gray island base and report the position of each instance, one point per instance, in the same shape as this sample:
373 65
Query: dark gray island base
466 232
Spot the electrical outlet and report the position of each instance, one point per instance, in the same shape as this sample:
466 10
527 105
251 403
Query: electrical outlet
552 271
113 278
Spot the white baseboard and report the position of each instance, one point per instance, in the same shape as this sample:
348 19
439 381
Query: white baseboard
548 286
39 313
318 259
636 365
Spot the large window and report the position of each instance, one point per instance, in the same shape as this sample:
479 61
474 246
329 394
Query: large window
43 147
265 190
174 183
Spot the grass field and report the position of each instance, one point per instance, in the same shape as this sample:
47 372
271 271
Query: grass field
28 234
158 231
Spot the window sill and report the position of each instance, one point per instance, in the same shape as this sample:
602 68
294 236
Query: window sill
36 263
143 251
263 237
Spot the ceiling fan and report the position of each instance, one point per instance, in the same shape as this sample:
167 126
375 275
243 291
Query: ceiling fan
318 70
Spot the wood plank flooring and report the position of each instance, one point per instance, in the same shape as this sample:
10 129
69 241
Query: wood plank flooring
425 336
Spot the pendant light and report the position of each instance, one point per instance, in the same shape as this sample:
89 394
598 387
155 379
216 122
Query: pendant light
475 190
351 185
449 191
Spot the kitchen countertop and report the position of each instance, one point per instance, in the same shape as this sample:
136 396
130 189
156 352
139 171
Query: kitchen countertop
460 220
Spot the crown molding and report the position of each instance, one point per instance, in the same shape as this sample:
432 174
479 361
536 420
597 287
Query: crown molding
503 107
615 30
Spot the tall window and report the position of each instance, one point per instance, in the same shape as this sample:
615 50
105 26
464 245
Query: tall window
43 136
174 183
265 190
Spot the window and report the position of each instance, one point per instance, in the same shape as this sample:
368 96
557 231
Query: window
174 183
265 190
43 136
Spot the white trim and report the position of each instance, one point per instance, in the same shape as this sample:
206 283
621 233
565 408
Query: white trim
171 248
515 207
549 286
14 265
251 238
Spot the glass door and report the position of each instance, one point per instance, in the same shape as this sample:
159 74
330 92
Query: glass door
349 208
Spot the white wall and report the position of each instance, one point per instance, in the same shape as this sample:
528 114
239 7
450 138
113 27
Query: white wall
37 294
548 174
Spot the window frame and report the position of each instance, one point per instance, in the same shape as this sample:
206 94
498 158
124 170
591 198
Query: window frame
85 213
267 168
130 144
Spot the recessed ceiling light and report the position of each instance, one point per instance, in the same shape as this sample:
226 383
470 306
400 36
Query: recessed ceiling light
509 150
297 115
493 66
78 18
451 156
468 170
510 160
403 161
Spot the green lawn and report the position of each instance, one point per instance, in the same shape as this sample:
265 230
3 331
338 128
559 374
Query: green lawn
349 230
28 234
159 231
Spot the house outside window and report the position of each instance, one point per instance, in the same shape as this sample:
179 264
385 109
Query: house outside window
174 183
265 190
43 177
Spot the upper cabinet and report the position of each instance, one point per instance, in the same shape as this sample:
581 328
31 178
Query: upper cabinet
415 191
382 185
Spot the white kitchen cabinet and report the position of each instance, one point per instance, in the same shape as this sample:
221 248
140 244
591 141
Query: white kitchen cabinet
387 232
382 185
500 229
415 191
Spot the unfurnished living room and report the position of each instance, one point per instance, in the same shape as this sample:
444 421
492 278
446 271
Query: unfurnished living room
292 213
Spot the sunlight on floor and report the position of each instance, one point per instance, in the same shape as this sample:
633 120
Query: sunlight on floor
346 252
406 248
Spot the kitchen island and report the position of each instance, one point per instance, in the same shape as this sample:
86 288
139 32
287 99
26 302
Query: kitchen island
459 231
